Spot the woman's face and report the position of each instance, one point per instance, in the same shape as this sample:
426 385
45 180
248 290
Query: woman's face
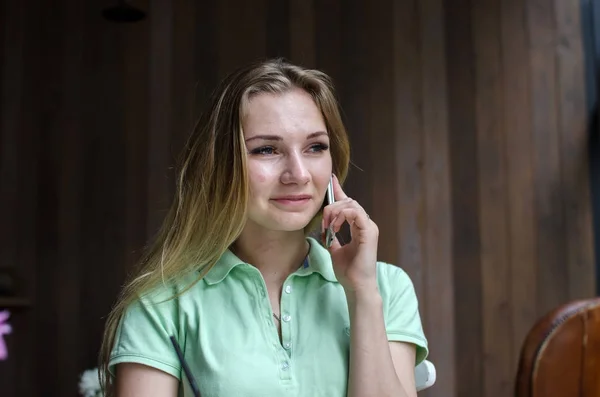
289 162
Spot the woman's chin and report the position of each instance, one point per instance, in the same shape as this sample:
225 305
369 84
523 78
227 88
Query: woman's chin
292 223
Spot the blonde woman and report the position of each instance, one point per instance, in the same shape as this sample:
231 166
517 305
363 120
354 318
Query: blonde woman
256 305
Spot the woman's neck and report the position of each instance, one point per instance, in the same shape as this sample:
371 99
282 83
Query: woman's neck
275 254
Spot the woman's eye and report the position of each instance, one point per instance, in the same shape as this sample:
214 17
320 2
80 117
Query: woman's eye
319 147
263 150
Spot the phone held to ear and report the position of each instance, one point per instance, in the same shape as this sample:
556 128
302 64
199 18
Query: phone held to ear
330 200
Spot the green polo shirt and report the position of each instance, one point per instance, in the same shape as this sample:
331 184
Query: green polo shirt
224 325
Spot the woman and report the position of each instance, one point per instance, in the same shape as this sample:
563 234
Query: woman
257 306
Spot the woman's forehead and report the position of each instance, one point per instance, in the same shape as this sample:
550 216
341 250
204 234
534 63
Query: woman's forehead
288 114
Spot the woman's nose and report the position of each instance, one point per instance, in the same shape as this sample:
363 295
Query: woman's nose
296 171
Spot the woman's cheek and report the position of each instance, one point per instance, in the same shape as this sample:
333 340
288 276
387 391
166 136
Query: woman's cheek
263 173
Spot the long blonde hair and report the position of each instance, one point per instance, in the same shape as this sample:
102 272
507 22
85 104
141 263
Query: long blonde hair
212 186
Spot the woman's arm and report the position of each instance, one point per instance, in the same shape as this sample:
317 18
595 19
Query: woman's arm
138 380
377 367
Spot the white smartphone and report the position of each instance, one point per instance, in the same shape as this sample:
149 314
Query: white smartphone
330 200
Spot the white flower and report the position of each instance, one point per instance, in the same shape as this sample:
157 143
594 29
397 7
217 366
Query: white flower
89 385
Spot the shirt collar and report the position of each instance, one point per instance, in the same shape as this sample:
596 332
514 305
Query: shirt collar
319 261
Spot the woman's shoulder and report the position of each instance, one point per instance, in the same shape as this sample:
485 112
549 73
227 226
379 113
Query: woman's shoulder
387 271
393 281
167 294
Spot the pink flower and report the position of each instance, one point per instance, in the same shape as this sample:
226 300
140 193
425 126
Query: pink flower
5 329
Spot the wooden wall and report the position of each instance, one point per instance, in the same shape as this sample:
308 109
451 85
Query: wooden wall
468 125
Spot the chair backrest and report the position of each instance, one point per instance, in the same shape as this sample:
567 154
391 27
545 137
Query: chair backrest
561 354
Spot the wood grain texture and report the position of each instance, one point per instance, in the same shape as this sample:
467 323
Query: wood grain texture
68 142
241 33
493 207
135 45
277 29
379 105
548 180
328 19
516 117
28 238
437 285
407 144
466 243
302 32
353 86
160 112
573 141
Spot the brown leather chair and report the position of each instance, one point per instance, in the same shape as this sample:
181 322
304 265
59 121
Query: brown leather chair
561 354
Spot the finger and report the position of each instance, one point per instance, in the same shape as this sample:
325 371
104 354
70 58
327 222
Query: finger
331 211
338 192
354 216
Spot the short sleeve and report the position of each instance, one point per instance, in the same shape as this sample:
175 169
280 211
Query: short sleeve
401 309
143 336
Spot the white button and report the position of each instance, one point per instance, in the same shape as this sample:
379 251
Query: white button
286 318
288 289
285 365
287 345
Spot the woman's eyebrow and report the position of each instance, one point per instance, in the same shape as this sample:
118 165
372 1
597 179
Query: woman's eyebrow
279 138
265 137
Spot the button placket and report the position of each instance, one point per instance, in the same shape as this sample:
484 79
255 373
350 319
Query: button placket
287 318
265 307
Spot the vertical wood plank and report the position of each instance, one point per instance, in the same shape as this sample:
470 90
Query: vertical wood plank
519 167
328 38
3 44
206 61
438 295
328 51
407 137
466 244
11 102
183 77
241 34
278 28
49 238
354 83
70 182
30 153
549 215
104 177
493 207
160 112
302 32
379 107
136 91
573 141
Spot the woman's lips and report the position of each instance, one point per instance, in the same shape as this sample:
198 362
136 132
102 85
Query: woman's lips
293 200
